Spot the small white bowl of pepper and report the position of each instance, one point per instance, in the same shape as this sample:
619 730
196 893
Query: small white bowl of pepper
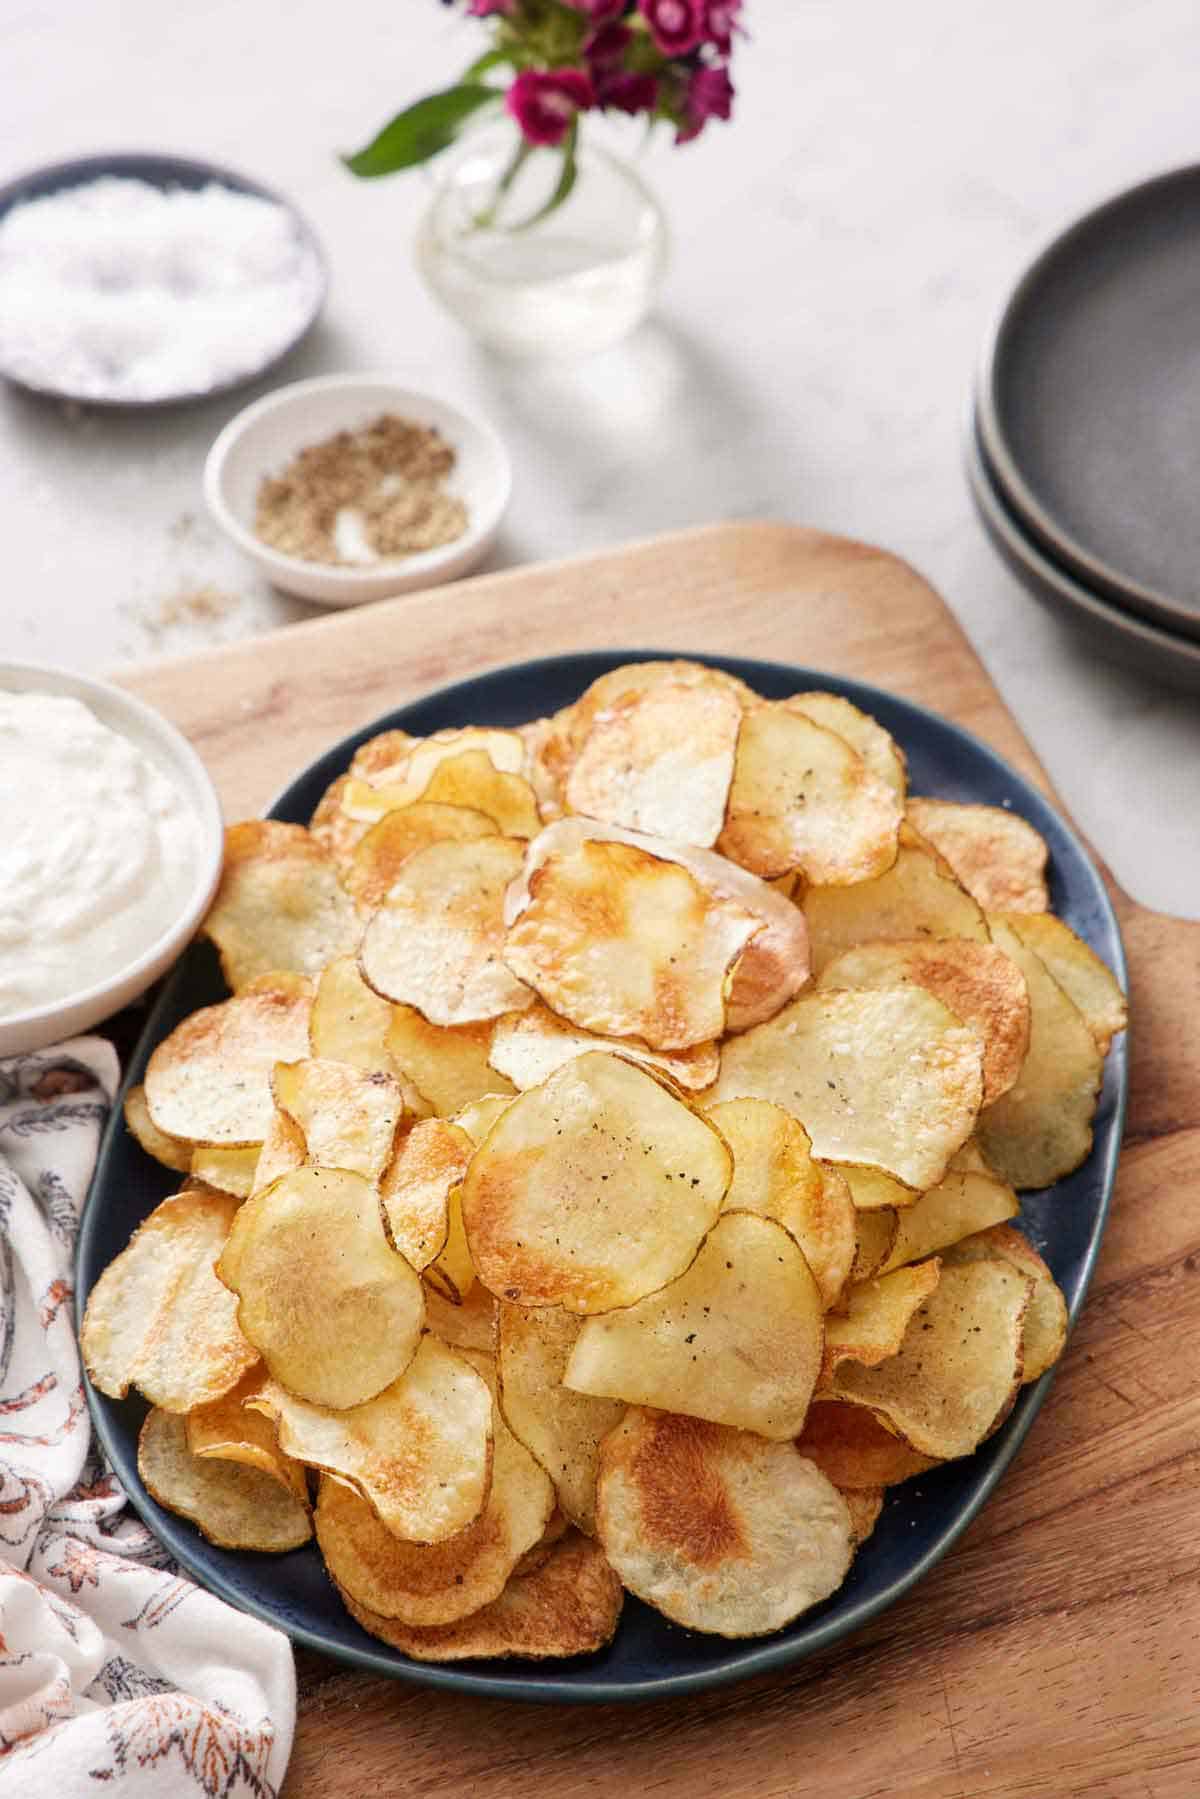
350 488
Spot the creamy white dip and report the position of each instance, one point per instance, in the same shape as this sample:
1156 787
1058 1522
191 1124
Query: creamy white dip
97 851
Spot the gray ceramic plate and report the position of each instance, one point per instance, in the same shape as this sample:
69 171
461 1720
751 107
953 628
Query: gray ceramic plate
1087 400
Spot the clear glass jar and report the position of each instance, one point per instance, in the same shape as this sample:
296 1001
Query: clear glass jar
574 281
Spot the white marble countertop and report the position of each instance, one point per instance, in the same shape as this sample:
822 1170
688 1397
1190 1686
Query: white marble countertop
840 250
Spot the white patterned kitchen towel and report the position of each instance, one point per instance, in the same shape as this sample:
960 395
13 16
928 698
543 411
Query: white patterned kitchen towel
116 1673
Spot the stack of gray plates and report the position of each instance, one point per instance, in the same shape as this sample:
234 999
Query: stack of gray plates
1084 447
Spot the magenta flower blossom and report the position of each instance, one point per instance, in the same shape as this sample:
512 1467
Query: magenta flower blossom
709 96
483 9
544 102
675 25
598 11
720 23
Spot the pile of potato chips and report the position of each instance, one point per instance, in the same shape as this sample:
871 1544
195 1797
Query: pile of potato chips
602 1175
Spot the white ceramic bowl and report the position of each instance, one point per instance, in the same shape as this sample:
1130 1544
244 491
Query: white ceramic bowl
264 438
178 761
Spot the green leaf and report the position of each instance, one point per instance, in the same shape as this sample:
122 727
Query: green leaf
421 130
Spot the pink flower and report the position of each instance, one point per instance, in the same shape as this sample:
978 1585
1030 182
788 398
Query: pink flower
615 85
544 102
720 23
709 96
483 9
629 92
598 11
675 25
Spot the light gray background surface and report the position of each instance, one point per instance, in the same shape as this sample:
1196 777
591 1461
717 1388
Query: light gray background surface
839 252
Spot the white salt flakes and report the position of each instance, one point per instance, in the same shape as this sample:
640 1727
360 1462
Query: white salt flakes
118 290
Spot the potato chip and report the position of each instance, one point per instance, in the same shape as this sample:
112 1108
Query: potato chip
234 1506
876 1316
384 848
918 896
542 766
874 1191
562 1428
593 1189
874 1239
568 1605
477 1118
576 721
283 1150
1042 1129
280 904
473 782
979 983
803 799
420 1452
415 1190
527 1047
228 1170
628 945
855 1449
958 1369
406 779
889 1079
210 1080
349 1118
1078 970
878 749
717 1528
735 1339
1046 1321
471 1324
452 1272
447 1063
159 1319
228 1430
437 941
864 1505
438 1583
172 1152
773 966
335 1313
660 761
959 1205
334 829
349 1022
774 1175
998 857
381 753
540 1553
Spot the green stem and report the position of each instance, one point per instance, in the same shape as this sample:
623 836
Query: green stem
487 217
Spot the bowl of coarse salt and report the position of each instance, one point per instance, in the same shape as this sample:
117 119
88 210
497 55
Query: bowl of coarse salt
349 488
136 280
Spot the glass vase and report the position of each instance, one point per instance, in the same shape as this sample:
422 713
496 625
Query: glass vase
530 282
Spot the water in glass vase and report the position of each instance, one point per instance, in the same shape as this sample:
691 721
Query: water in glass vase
575 280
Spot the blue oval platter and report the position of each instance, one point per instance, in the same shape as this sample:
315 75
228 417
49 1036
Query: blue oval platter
649 1658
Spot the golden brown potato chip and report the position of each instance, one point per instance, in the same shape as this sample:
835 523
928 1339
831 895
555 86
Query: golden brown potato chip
349 1022
228 1170
864 1505
234 1506
527 1047
855 1449
1046 1321
416 1187
447 1063
280 904
1078 970
889 1079
471 1324
878 749
334 829
283 1150
660 761
962 1203
735 1339
593 1189
998 857
568 1605
803 799
1042 1129
210 1080
348 1118
576 721
979 983
438 1583
875 1235
772 968
478 1118
563 1429
918 896
958 1369
228 1430
472 781
437 941
335 1313
384 848
387 786
874 1191
542 765
774 1174
172 1152
159 1319
420 1452
876 1316
717 1528
540 1553
381 753
628 945
452 1272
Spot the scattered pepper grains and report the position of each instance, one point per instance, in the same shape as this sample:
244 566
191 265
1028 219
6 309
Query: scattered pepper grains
363 496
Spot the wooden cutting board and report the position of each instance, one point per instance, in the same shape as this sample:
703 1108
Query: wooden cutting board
1055 1653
